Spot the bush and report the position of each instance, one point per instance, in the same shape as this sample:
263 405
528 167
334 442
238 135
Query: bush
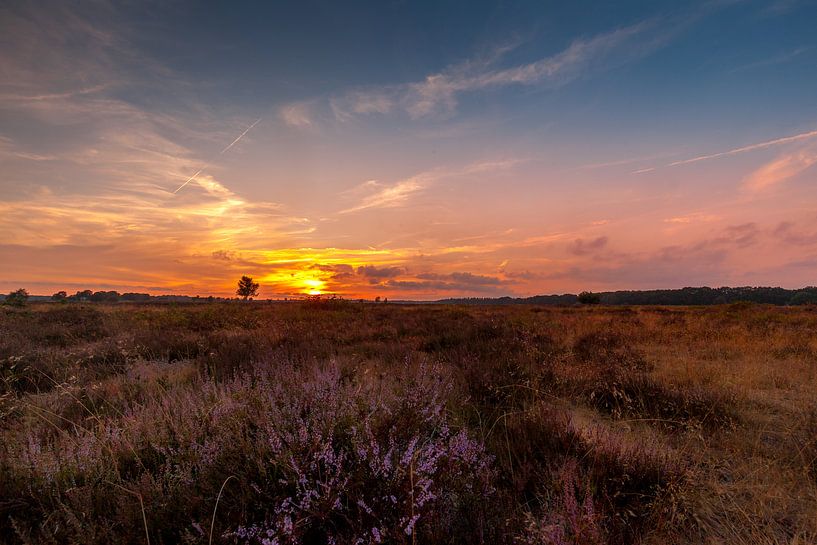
17 298
366 469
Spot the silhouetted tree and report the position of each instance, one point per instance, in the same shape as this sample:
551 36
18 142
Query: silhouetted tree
83 295
247 288
589 298
105 296
17 298
60 296
806 296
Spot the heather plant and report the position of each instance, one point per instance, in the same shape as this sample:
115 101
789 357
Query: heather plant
393 469
327 459
569 518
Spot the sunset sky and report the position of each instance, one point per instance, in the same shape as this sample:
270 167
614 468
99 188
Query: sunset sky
410 150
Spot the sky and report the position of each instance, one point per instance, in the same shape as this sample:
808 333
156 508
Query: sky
409 150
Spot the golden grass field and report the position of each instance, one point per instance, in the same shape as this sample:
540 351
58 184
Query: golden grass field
340 422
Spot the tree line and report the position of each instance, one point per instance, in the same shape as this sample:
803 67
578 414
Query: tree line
247 289
683 296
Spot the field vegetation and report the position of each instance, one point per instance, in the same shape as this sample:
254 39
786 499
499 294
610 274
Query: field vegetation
329 421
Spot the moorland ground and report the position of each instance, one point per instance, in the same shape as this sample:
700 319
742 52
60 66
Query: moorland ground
341 422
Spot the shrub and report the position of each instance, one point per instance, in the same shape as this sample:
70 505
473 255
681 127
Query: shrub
17 298
316 457
373 469
567 519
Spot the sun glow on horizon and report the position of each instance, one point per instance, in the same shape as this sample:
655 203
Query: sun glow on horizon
315 286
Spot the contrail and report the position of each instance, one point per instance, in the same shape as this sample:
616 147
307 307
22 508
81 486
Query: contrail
233 143
240 136
190 179
751 147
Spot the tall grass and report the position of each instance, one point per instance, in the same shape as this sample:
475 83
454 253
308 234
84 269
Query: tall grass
338 422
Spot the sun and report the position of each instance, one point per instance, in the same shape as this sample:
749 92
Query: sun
314 286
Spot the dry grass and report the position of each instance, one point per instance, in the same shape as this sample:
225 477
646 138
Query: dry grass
553 425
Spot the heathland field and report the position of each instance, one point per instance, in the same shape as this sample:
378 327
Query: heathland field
337 422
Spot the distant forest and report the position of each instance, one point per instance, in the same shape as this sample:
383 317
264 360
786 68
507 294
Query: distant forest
684 296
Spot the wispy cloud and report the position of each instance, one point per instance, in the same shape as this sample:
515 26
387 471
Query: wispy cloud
32 98
440 91
787 232
298 114
781 169
772 61
378 195
388 196
361 103
695 217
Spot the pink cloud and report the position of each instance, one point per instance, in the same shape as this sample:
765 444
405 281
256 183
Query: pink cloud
782 168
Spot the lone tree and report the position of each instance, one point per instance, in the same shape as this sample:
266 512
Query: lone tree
247 288
17 298
589 298
60 296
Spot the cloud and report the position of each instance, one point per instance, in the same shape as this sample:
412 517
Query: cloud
439 92
780 7
378 273
361 103
778 59
703 262
390 196
112 162
298 114
786 232
743 235
782 168
462 282
695 217
223 255
338 271
463 278
583 247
